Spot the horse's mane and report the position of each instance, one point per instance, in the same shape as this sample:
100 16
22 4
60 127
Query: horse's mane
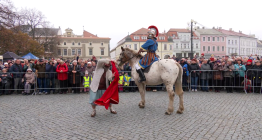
134 52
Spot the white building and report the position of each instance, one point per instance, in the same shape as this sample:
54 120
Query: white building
182 42
113 54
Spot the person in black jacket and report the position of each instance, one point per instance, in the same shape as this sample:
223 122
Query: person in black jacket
5 82
50 76
256 76
17 72
194 73
75 77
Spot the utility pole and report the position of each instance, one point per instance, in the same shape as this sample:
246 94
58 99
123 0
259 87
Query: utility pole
192 53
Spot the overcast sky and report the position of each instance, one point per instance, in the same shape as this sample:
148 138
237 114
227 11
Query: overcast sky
115 18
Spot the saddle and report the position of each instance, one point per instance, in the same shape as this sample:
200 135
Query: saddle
146 70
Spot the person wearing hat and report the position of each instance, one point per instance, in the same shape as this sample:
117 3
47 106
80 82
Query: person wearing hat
217 75
41 77
193 69
5 82
62 76
74 77
86 81
29 80
256 76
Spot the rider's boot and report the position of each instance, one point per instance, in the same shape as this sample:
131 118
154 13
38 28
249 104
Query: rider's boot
141 75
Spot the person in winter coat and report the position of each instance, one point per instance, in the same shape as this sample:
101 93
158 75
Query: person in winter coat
30 80
62 76
217 75
82 74
16 71
229 75
194 71
205 75
184 65
239 74
50 76
41 78
5 82
249 65
257 76
75 77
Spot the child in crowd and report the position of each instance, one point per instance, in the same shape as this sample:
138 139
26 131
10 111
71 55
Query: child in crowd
86 81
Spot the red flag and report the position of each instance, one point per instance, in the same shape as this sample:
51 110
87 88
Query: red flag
111 94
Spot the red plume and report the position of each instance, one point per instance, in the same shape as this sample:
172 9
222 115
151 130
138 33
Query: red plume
152 26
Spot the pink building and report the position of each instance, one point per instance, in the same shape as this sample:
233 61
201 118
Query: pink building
212 42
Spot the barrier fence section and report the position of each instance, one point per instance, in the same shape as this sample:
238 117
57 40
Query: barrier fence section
45 82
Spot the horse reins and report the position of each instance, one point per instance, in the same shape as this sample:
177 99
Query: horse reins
121 62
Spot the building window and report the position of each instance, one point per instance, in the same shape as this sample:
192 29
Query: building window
188 46
73 43
65 51
208 38
135 46
79 52
208 48
223 48
102 44
90 44
136 37
184 45
165 47
228 41
217 48
214 39
59 52
232 42
204 48
161 38
177 46
197 46
73 52
181 46
204 38
90 51
223 39
64 43
214 48
217 38
144 37
128 46
170 47
79 43
236 42
102 51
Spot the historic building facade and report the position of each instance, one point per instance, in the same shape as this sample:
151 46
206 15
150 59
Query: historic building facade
182 42
212 41
85 45
137 39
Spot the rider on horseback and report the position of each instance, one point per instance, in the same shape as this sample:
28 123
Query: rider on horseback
150 47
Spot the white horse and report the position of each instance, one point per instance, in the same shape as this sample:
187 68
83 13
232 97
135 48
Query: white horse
165 71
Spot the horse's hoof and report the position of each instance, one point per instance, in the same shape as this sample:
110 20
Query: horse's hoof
168 113
140 106
179 112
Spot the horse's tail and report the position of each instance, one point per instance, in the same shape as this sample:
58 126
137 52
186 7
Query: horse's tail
178 82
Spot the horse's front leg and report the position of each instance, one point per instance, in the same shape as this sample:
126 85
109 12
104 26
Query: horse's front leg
142 90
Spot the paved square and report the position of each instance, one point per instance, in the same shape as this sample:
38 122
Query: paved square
206 116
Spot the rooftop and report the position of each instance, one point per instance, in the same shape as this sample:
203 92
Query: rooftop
208 32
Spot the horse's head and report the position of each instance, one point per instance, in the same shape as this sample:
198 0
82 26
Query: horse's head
123 57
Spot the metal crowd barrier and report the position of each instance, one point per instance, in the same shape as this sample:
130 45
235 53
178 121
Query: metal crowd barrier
47 87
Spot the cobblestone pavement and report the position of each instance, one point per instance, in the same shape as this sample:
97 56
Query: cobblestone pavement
206 116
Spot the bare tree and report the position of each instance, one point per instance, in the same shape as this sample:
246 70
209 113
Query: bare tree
33 19
7 14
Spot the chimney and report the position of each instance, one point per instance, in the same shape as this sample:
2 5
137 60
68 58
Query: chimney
197 27
240 32
230 29
220 28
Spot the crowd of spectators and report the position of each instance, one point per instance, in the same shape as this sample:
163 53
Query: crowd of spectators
74 76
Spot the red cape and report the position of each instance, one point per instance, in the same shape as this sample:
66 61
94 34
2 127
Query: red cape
111 94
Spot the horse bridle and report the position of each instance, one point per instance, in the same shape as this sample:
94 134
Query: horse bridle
121 62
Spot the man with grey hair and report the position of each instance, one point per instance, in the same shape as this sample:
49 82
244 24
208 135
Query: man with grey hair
17 70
